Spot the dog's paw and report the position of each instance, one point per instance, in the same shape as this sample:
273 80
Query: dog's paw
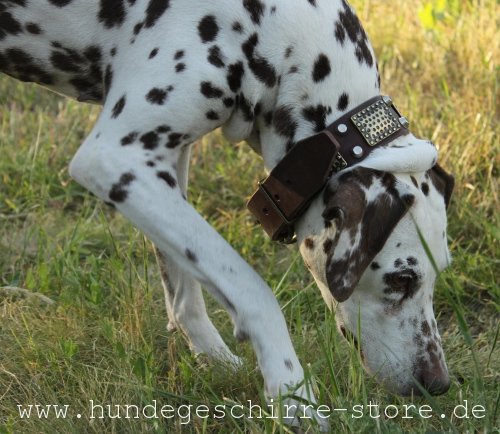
222 355
232 361
296 407
171 326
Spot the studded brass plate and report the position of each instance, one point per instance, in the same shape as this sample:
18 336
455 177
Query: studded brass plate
377 122
339 163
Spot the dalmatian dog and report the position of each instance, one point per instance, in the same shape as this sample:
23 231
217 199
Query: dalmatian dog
271 72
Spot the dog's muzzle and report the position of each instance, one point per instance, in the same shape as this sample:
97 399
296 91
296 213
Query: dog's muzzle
304 171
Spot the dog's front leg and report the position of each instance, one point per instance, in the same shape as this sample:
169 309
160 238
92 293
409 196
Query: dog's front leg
183 296
150 197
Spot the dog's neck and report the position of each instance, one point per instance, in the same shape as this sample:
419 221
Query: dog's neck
317 80
305 117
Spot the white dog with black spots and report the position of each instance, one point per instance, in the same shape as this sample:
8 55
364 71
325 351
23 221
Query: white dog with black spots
271 72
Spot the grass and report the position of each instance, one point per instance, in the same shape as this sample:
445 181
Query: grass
105 336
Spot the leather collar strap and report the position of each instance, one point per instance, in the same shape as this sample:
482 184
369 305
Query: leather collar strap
288 190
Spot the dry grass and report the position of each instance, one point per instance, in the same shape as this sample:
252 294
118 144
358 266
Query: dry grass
105 338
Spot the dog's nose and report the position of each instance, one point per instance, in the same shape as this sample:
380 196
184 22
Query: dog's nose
436 382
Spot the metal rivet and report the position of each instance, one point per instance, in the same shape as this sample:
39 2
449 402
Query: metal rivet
404 122
357 151
387 100
342 129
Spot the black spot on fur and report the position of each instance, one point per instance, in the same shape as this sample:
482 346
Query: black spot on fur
255 8
23 66
118 107
157 96
259 66
327 245
162 129
153 53
414 181
349 23
246 108
8 25
411 260
339 33
268 118
363 53
284 123
237 27
374 265
288 51
257 109
317 116
215 57
343 102
309 243
408 199
33 28
212 115
168 178
93 54
289 364
234 76
180 67
248 47
108 79
179 54
111 13
150 140
118 192
155 10
426 329
191 256
129 138
425 188
321 68
174 140
208 28
60 3
208 90
137 29
398 262
68 61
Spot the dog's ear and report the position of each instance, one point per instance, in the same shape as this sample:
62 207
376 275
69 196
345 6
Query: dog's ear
443 181
365 205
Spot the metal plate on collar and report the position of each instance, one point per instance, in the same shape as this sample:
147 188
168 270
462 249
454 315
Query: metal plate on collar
376 122
339 163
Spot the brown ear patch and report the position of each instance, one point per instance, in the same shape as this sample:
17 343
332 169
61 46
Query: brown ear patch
372 206
443 182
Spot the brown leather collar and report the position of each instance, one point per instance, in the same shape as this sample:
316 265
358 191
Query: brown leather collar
288 190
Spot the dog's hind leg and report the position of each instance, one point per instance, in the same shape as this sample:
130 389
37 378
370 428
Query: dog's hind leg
184 298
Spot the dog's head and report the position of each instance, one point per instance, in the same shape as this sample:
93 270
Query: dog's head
374 242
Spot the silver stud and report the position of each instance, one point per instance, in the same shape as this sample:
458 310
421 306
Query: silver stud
342 129
387 100
357 151
404 122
